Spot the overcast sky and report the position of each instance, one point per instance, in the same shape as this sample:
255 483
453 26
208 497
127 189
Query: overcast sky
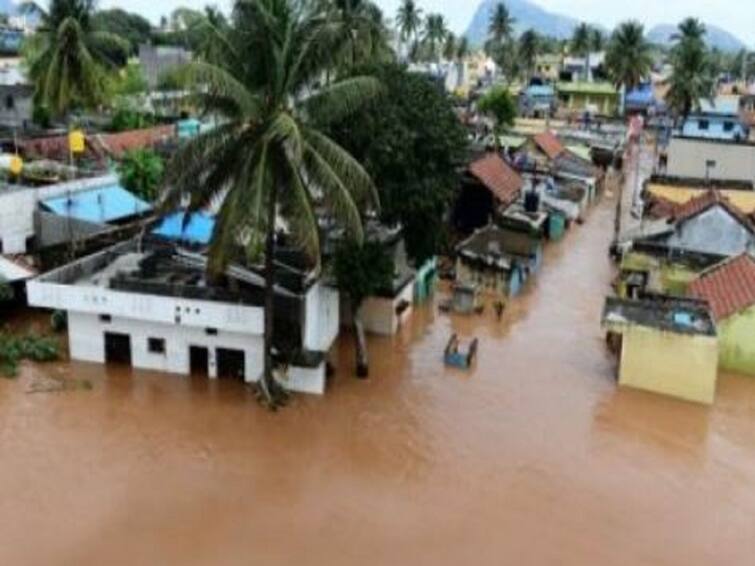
736 16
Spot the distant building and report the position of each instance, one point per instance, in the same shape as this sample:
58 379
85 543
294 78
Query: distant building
641 100
664 345
729 289
16 98
538 101
158 61
594 98
719 120
153 307
548 67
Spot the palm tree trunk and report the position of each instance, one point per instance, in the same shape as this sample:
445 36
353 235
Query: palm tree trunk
360 343
267 383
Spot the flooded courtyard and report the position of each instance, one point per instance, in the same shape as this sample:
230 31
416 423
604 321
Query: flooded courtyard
535 457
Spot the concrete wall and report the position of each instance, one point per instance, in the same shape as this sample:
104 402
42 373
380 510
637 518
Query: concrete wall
379 314
738 342
322 318
681 366
688 157
54 230
87 343
715 231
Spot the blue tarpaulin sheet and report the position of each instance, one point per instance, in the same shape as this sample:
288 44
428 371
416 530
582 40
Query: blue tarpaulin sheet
99 206
197 231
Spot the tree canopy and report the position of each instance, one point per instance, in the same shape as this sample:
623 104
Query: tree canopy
410 142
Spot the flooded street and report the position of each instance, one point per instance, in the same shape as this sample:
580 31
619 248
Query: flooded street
535 457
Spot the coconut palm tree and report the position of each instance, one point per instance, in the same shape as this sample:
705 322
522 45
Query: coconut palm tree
462 48
409 22
501 26
529 47
693 76
450 47
580 46
435 35
360 32
269 162
629 57
69 56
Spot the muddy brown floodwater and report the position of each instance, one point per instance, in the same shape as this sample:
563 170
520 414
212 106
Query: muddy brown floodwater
535 457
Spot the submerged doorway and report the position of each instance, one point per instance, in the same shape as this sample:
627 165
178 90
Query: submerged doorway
231 364
199 361
117 349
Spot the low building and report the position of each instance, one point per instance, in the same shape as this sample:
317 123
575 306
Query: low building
709 224
154 308
498 261
666 346
538 101
548 66
489 183
594 98
718 120
641 100
653 269
729 289
37 217
16 98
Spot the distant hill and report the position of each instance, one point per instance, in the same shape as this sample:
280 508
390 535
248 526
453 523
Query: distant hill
717 37
527 14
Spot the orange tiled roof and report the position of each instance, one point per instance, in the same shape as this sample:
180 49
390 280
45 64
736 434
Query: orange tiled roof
498 177
549 144
729 288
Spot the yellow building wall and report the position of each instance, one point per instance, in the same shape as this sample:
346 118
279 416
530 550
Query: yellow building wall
738 342
743 200
681 366
674 279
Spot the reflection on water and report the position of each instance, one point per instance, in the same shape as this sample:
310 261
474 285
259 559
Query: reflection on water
534 457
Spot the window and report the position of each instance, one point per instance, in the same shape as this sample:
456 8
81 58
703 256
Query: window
728 126
156 345
211 331
106 318
703 124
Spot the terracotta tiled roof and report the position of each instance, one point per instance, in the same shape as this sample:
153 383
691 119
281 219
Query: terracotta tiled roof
498 177
704 202
549 144
113 144
729 288
657 207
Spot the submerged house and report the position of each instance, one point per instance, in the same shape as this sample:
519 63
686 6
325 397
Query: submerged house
152 306
709 224
664 345
498 260
488 184
729 289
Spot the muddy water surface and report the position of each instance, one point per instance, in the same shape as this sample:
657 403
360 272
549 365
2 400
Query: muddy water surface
533 458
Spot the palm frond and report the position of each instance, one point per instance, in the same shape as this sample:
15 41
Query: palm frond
221 82
342 99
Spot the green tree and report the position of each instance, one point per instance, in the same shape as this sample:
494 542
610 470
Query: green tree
269 157
141 172
500 27
529 48
131 27
409 22
450 47
412 144
360 32
71 56
462 48
499 106
629 57
693 74
435 35
362 271
580 46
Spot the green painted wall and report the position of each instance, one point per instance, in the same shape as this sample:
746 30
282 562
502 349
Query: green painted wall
737 345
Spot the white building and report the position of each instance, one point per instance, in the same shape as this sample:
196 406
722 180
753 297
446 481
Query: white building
155 310
715 160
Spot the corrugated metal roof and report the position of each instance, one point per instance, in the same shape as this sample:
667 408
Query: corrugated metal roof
98 206
198 230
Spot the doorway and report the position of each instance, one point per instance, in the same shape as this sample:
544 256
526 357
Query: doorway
117 349
199 361
231 364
